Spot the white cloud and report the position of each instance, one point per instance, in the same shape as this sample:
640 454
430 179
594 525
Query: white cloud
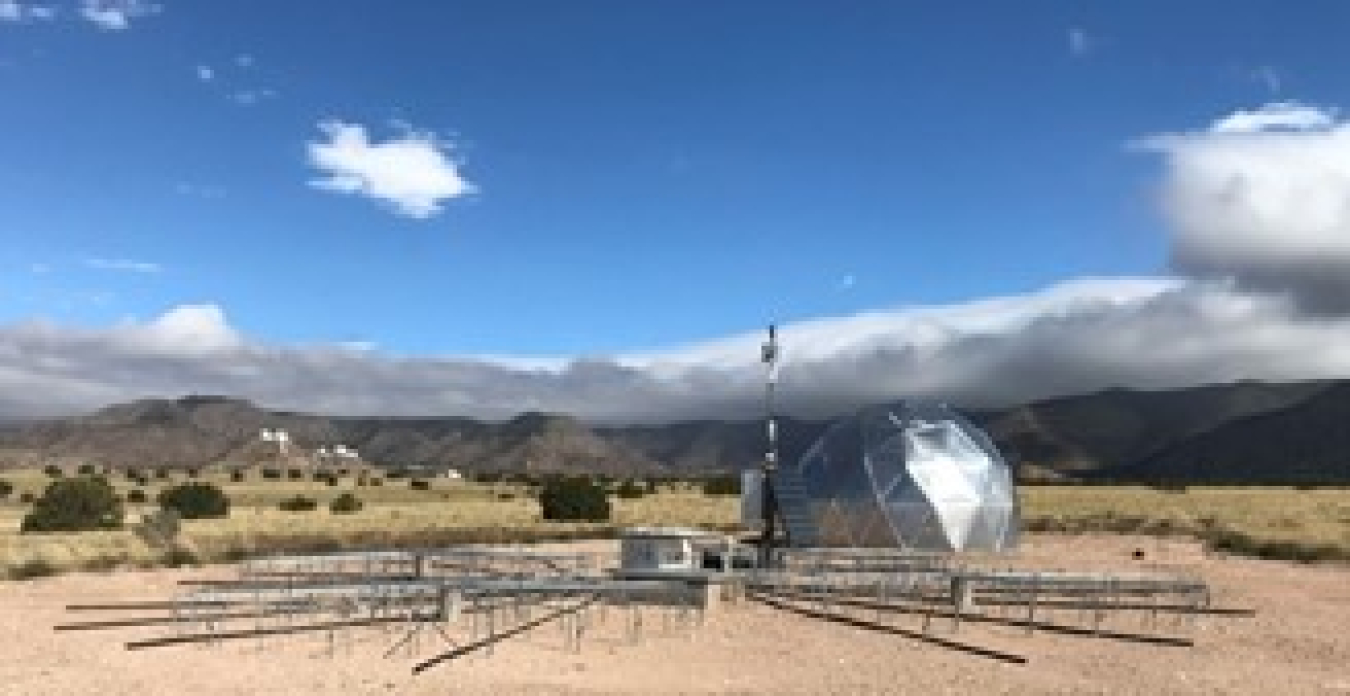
123 265
244 60
847 282
412 172
205 73
116 15
1071 338
15 11
1263 197
1276 116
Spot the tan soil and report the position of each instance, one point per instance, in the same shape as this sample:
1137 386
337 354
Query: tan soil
1298 643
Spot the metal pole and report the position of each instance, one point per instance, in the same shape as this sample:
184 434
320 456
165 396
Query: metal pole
768 502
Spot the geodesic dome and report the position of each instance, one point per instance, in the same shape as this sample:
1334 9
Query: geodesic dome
913 476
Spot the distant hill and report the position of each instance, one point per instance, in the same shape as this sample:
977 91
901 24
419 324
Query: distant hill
1243 432
1307 442
1079 435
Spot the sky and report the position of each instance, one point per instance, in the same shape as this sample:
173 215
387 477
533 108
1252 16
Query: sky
484 208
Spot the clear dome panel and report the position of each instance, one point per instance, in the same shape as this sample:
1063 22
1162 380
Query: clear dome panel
911 475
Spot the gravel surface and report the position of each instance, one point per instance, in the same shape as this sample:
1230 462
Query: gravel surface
1299 643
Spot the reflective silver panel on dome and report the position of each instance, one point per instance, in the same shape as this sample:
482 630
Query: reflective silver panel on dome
913 476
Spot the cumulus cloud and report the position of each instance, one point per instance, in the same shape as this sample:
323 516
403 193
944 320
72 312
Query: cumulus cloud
1071 338
126 265
205 73
412 173
1263 197
116 15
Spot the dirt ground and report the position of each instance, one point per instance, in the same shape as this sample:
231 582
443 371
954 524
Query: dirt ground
1298 643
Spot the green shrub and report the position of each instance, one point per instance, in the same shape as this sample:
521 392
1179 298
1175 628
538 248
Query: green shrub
136 495
26 498
419 485
345 504
162 474
377 482
237 476
193 473
177 557
5 489
722 485
195 501
630 490
75 505
53 471
298 503
574 499
33 568
271 474
87 470
295 474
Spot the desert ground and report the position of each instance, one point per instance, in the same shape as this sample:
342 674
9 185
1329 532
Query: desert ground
1297 643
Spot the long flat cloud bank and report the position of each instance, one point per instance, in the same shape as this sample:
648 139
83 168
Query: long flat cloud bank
1075 337
1258 209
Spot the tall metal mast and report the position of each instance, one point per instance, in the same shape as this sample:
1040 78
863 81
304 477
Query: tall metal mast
768 504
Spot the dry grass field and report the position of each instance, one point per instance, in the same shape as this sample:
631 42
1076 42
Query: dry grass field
393 514
1270 522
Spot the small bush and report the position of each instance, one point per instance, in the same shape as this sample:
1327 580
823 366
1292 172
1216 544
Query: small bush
26 498
271 474
295 474
136 495
176 557
193 473
419 485
722 485
75 505
133 474
345 504
162 474
331 481
377 482
630 490
237 476
195 501
298 503
574 499
33 568
53 471
87 470
5 489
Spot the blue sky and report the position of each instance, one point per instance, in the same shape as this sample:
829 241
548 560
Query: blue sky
636 176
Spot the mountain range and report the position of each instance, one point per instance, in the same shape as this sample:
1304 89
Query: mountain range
1239 433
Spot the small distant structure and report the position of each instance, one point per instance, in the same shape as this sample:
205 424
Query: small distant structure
281 437
453 474
647 552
